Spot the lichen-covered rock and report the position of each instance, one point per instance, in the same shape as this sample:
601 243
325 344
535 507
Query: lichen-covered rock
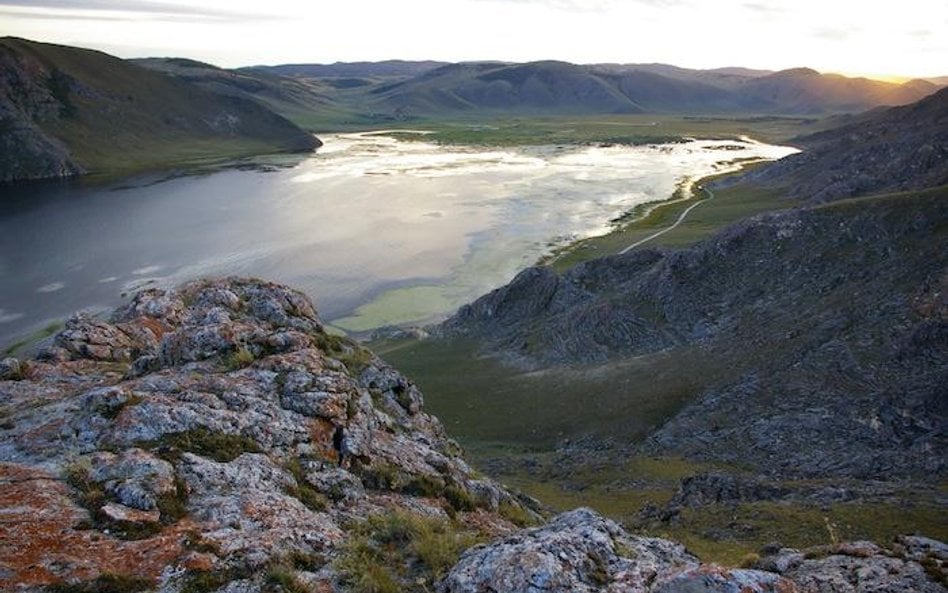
863 567
10 369
714 579
578 552
136 478
219 428
216 438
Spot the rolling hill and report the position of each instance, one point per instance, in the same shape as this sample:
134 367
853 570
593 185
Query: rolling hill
66 111
560 87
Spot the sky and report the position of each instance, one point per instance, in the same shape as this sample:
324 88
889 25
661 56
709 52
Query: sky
855 37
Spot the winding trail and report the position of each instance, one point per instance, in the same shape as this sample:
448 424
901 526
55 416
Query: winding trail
681 218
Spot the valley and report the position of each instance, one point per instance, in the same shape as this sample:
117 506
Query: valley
769 365
373 327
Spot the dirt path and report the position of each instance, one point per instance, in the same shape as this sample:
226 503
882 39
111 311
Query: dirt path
672 227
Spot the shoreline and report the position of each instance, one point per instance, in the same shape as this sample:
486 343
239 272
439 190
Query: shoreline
684 195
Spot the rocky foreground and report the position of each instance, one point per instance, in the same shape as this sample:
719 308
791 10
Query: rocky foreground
216 438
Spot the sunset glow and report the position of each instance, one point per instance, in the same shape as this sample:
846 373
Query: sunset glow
876 39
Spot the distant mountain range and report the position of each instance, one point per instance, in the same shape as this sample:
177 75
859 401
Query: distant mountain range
433 88
66 111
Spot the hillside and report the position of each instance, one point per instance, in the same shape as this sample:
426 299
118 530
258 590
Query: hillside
788 318
902 148
786 313
73 110
785 372
311 103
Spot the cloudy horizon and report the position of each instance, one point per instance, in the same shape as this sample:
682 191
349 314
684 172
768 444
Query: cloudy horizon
866 39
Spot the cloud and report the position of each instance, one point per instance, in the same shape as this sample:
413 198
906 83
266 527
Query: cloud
762 8
835 33
590 5
50 9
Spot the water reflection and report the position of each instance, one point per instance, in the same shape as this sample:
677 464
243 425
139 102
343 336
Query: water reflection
375 229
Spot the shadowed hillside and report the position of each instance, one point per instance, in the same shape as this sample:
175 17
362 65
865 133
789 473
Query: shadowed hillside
68 110
896 149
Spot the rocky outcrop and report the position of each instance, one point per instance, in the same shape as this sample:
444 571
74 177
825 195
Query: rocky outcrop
216 438
912 564
214 432
581 552
578 551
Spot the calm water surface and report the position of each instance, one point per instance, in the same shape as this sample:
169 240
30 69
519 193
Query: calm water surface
377 231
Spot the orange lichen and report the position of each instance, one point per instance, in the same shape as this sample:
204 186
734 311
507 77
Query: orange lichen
321 435
40 542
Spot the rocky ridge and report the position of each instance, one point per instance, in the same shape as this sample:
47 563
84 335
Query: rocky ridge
818 335
216 438
581 552
213 431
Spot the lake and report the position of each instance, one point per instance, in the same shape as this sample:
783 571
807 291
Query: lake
378 231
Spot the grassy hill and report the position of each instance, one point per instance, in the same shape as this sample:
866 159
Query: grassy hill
107 114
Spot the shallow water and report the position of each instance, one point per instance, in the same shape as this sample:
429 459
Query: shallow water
376 230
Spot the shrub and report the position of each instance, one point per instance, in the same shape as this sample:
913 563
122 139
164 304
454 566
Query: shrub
459 498
382 476
424 485
285 579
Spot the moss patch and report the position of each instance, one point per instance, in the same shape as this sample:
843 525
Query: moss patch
306 494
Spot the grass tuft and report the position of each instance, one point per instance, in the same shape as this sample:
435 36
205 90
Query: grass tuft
239 359
399 551
516 514
219 446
